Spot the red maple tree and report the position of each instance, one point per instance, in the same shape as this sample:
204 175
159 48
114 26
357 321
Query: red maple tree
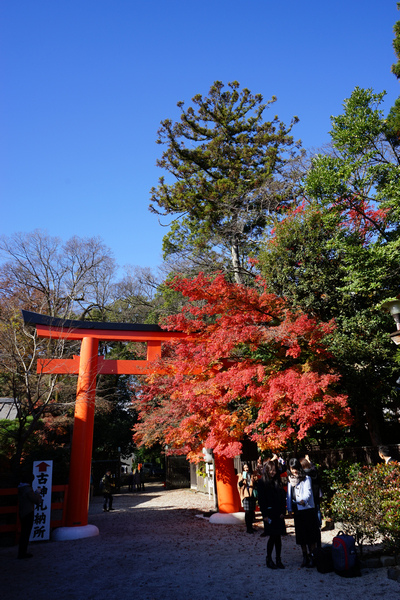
248 367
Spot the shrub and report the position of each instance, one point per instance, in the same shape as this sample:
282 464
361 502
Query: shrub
369 505
333 480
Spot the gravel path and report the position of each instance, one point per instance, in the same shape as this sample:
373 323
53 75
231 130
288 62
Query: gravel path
155 547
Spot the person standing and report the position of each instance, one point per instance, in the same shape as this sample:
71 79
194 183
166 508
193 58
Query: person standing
246 483
137 480
272 502
300 501
142 478
131 481
108 488
27 499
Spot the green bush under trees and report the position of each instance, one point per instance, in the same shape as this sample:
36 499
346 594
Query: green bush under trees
368 505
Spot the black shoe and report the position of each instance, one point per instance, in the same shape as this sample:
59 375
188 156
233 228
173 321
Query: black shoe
250 531
306 562
264 534
111 509
279 564
27 555
311 561
270 563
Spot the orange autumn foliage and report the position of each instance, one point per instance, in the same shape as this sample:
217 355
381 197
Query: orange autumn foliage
248 367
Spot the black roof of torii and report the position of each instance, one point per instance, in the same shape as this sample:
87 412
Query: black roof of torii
31 318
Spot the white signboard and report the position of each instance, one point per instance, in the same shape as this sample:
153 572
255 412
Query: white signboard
43 473
210 479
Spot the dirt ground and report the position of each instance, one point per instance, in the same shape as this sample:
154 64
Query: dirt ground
156 545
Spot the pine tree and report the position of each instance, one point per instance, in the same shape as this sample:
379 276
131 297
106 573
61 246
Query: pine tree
231 169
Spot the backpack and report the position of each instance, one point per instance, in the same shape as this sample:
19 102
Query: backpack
101 485
344 556
323 559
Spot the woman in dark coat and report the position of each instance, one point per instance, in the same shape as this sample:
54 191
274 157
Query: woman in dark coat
272 502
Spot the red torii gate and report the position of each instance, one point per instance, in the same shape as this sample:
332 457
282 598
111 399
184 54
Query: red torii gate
87 366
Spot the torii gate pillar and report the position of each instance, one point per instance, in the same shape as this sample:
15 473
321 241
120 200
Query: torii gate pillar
82 437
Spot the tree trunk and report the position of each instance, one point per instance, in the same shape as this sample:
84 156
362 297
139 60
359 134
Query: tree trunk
236 264
373 420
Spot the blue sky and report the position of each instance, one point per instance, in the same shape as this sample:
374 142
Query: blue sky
85 84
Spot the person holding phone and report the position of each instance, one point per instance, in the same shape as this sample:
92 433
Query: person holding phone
246 484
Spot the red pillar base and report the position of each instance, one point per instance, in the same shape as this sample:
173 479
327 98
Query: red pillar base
74 533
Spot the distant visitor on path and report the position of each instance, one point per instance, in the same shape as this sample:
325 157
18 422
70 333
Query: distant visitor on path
137 480
246 483
107 487
27 499
131 481
142 478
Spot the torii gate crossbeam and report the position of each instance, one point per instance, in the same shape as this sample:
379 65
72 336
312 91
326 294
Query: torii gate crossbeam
87 366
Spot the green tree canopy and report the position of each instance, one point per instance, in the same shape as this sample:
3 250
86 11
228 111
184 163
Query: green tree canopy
230 169
339 256
396 46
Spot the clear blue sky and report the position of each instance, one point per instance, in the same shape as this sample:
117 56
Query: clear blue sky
85 84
